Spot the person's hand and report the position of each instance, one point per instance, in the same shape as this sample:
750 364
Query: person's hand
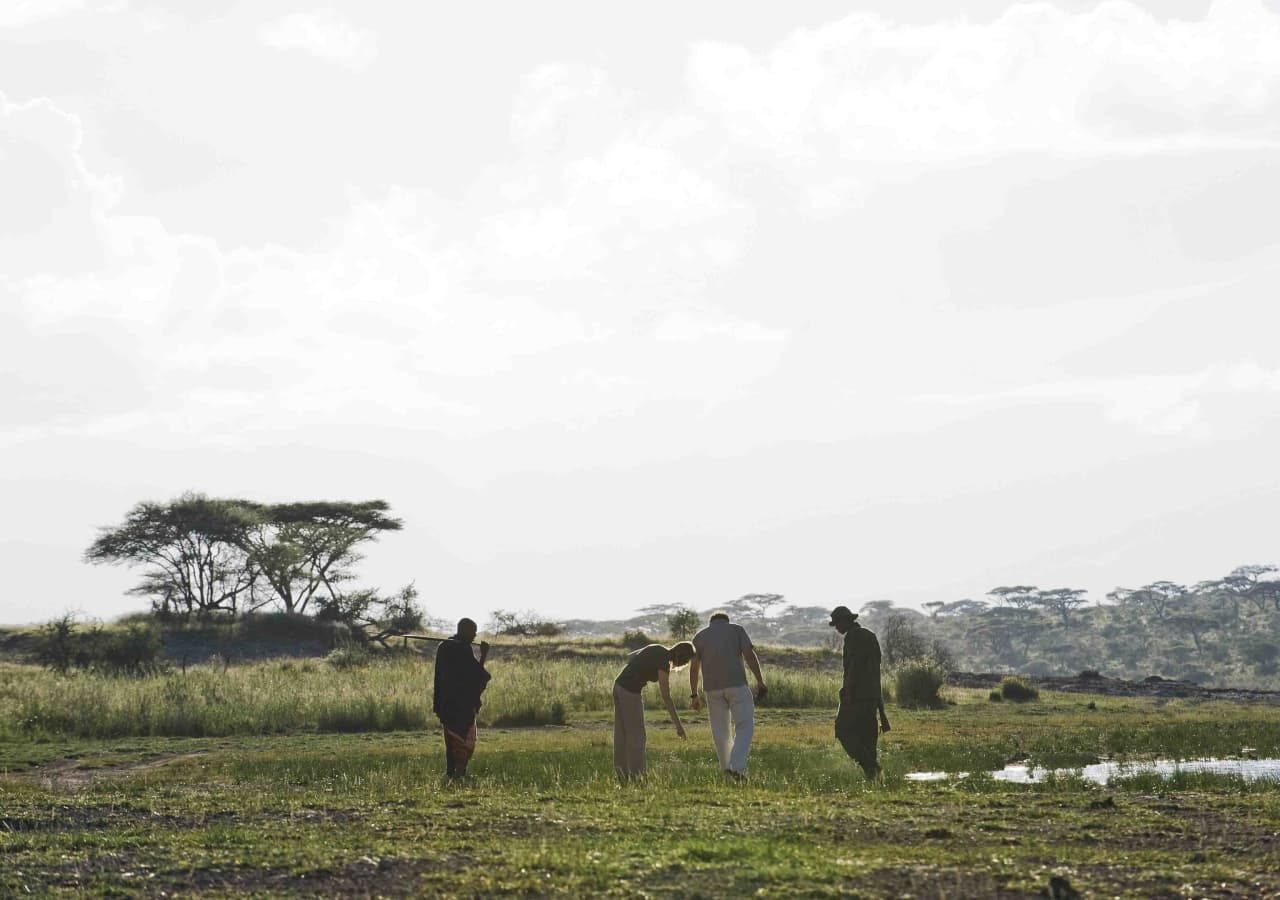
762 691
484 648
680 731
884 726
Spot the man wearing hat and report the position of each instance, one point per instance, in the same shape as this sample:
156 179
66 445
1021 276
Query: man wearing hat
860 700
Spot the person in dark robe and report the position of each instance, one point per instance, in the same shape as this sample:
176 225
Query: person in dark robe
460 680
857 728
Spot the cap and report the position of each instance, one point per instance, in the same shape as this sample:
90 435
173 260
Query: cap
842 614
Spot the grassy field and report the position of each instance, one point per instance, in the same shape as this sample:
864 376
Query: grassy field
239 781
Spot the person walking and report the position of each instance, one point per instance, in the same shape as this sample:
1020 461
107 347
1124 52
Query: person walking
651 663
860 698
722 648
460 679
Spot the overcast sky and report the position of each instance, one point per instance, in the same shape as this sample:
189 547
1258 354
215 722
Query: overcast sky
623 304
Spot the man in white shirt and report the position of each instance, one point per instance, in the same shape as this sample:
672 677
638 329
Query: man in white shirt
722 648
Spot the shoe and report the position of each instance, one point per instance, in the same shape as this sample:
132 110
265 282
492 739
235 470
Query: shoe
735 776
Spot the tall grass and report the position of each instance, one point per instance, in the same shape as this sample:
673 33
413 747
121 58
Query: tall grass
287 696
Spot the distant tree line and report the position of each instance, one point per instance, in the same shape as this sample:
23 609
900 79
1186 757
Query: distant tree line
1223 630
205 556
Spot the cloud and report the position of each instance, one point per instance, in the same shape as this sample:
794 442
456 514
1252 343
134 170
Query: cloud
24 12
683 325
1038 78
1215 401
325 34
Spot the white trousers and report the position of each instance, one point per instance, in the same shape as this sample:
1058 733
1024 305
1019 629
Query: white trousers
732 714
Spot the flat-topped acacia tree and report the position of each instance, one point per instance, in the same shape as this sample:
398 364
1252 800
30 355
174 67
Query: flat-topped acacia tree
202 555
301 549
191 550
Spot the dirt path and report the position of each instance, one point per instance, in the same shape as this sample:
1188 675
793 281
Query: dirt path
74 775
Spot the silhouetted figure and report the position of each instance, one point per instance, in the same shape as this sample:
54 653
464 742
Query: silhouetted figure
860 700
651 663
460 680
722 648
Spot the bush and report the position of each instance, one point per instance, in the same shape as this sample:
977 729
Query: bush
532 714
917 686
133 650
349 656
634 640
995 697
683 623
281 626
1018 689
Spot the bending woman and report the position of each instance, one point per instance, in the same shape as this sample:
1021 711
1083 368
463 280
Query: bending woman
651 663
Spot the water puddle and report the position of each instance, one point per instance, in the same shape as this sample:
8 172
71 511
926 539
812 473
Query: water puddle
1104 772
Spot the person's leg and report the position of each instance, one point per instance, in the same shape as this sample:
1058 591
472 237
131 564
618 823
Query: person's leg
619 734
448 758
718 716
743 710
633 707
863 733
845 730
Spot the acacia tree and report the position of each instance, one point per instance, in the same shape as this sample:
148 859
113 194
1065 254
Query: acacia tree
1060 601
754 606
1019 596
302 549
191 550
1160 598
682 623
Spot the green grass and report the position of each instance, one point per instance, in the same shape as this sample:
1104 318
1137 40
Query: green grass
369 813
393 693
283 777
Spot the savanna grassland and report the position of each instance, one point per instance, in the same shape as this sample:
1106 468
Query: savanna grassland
301 777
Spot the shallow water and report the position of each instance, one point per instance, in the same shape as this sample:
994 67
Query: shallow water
1104 772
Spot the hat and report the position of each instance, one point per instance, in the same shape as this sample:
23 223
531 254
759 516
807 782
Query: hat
842 614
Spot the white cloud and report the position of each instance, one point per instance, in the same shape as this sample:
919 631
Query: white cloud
696 325
23 12
1113 79
325 34
1216 401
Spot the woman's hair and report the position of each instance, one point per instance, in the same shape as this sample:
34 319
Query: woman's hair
682 654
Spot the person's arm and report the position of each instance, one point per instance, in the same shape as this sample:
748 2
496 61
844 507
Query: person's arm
695 668
435 689
884 720
484 652
753 663
664 688
850 669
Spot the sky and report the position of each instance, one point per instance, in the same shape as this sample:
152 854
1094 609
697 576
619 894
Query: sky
621 305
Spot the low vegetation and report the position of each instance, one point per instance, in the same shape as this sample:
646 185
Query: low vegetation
341 814
1019 690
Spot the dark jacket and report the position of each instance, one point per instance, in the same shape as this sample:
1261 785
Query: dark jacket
861 664
460 680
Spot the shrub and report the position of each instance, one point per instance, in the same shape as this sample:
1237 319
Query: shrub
917 685
995 697
134 650
683 623
634 640
1018 689
350 656
281 626
1090 675
532 714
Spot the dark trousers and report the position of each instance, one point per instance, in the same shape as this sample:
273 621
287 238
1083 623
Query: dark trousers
857 730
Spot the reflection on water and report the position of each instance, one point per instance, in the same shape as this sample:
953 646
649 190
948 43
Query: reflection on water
1103 772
